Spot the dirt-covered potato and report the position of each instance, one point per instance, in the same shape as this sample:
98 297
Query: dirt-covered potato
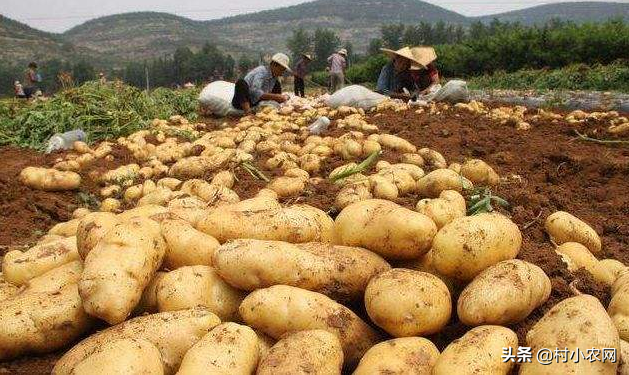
124 356
480 173
577 256
408 303
186 246
49 179
312 352
229 349
479 351
352 193
503 294
468 245
385 228
340 272
433 158
623 368
65 229
189 287
406 355
396 143
383 188
613 267
577 322
564 227
283 309
92 228
19 267
287 186
148 301
619 306
432 184
173 333
7 290
449 206
56 279
143 211
119 267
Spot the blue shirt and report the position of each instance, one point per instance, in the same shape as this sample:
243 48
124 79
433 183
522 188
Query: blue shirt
260 81
390 81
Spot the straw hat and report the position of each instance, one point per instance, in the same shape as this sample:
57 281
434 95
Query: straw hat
343 52
423 56
403 52
309 57
282 60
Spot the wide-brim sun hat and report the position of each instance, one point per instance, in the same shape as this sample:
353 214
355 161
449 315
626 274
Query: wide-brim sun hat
343 52
309 57
282 59
402 52
422 57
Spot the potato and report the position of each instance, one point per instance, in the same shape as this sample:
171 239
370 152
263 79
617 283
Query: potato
407 355
306 352
479 351
577 256
48 238
186 245
67 229
265 343
270 221
119 267
408 303
385 228
396 143
7 290
49 179
369 147
564 227
287 186
189 209
432 184
169 182
339 272
229 349
144 211
19 267
173 333
81 147
576 322
352 193
80 213
480 173
148 301
212 194
471 244
414 159
449 206
41 322
189 287
623 368
282 309
92 228
197 166
503 294
223 178
159 197
619 306
311 163
433 158
56 279
124 356
383 188
613 267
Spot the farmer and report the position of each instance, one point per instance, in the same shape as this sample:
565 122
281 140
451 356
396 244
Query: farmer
337 64
395 78
299 73
424 74
31 79
19 90
261 84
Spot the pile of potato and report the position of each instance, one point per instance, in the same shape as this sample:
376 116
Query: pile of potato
194 280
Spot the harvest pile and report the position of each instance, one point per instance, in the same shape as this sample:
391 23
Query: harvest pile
255 246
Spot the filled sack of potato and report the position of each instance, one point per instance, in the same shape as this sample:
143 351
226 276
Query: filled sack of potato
49 179
123 356
406 355
172 333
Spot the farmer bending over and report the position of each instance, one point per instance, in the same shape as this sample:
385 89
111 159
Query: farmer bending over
425 75
395 78
261 84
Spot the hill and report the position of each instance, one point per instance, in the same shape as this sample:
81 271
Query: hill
587 11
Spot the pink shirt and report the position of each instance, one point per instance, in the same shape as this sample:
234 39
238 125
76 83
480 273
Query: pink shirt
337 63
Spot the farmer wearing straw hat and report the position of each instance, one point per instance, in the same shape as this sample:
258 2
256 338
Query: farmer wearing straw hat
423 71
261 84
395 78
299 73
337 63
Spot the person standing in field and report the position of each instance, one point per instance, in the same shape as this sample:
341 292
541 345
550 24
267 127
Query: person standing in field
19 90
261 84
31 78
424 72
337 64
299 73
395 78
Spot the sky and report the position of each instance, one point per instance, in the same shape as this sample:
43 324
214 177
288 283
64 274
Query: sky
60 15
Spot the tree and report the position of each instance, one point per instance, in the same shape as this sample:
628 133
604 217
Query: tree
374 47
82 72
426 34
300 42
325 43
392 35
181 62
244 65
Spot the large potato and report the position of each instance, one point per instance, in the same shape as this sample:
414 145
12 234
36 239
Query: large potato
122 357
619 306
503 294
408 303
189 287
432 184
468 245
564 227
577 322
148 301
92 228
142 211
613 267
404 356
623 368
479 351
229 349
385 228
49 179
56 279
7 290
19 267
65 229
173 333
480 173
577 256
314 352
186 245
449 206
282 309
339 272
119 268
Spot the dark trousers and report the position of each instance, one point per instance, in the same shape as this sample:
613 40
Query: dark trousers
242 94
300 87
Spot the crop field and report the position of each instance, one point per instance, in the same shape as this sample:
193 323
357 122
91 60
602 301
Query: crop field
501 226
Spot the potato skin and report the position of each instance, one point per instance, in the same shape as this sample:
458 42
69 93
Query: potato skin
314 352
503 294
281 309
186 245
92 228
49 179
228 349
432 184
7 290
124 357
387 229
576 322
619 306
408 303
480 173
577 256
401 356
479 351
340 272
189 287
564 227
468 245
449 206
173 333
119 268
